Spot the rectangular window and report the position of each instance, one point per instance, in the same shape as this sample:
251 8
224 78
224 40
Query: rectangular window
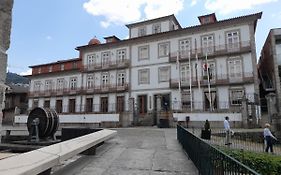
50 68
208 44
74 65
236 96
105 56
143 76
37 85
59 106
164 74
185 74
90 81
143 52
35 103
47 104
121 79
120 104
156 28
105 80
232 39
62 67
163 49
104 104
186 100
71 107
235 69
142 31
142 104
121 55
89 104
210 68
60 84
39 70
91 60
73 83
48 85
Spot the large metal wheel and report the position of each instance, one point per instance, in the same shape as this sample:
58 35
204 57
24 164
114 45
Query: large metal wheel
48 121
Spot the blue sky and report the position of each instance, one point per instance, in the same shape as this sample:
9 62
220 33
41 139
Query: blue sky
49 30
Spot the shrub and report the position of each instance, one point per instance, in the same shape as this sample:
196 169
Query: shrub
263 163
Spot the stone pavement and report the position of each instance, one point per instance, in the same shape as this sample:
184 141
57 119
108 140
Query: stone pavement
135 151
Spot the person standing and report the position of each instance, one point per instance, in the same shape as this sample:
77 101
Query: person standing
268 138
227 130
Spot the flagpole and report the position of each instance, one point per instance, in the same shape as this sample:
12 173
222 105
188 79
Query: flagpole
179 81
197 63
190 83
209 86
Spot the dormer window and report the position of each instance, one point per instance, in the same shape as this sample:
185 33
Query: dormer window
62 67
142 31
156 28
50 68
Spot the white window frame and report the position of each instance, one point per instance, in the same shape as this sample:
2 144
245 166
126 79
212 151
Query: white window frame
164 74
91 59
235 68
236 96
142 31
62 67
50 68
143 52
121 78
233 40
121 55
73 83
37 86
105 79
90 81
60 83
211 65
208 43
156 28
163 49
105 58
185 70
143 76
48 85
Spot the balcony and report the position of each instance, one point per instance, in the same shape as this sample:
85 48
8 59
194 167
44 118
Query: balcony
55 92
217 50
106 66
110 88
223 79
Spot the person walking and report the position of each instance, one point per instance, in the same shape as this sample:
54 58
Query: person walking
268 138
227 131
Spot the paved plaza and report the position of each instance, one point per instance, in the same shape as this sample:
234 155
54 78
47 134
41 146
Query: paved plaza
135 151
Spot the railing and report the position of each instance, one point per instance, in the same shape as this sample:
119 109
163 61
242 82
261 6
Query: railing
216 50
55 92
107 65
222 79
208 159
106 88
81 90
200 106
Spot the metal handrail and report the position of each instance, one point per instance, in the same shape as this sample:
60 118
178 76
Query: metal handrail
208 159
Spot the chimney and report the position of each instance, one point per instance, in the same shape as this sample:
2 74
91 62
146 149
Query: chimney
111 39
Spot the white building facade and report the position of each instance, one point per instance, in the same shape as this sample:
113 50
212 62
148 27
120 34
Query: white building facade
210 68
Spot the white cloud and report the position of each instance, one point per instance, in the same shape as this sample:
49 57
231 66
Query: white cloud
127 11
193 2
227 6
48 37
28 72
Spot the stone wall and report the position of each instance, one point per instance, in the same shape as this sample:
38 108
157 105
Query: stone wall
5 32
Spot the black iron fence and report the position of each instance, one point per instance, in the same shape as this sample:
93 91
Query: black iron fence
208 159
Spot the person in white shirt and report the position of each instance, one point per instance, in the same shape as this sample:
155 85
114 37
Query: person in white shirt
268 138
227 131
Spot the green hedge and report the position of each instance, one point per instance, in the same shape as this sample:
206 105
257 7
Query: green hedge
263 163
